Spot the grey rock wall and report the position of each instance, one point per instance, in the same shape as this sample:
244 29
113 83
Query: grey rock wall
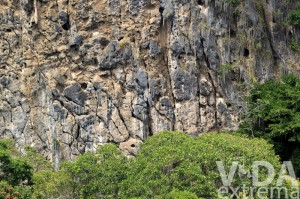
150 66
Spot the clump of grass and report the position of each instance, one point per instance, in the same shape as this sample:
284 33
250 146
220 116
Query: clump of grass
225 69
234 3
294 45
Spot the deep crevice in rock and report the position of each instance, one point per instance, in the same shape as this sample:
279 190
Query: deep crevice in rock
246 52
201 2
161 10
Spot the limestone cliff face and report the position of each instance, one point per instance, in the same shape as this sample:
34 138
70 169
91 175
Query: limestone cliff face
150 66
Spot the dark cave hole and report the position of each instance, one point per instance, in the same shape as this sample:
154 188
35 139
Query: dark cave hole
67 25
201 2
120 38
83 85
74 47
161 10
133 145
8 30
232 33
246 52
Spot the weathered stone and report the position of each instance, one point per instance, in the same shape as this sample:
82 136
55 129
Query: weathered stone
130 147
154 49
5 81
27 5
76 41
114 56
185 85
78 74
63 16
75 94
205 87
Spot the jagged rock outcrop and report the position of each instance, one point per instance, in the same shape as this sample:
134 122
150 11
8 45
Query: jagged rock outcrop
78 73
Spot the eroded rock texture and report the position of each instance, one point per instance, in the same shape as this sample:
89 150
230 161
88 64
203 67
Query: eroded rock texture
150 66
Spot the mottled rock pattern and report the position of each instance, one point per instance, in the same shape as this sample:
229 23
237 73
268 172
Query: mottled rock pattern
150 65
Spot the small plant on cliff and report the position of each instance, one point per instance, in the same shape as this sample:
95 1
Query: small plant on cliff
224 69
234 3
294 16
295 46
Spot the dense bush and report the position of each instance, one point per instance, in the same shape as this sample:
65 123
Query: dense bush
92 175
15 172
273 113
172 160
169 165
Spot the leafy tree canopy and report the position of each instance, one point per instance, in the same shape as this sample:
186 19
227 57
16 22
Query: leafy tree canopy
170 165
173 160
13 170
273 113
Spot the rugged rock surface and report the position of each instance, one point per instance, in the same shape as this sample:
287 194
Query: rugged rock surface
150 65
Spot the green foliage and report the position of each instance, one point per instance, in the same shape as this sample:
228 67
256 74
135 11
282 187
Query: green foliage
294 16
170 165
175 194
92 175
274 109
53 184
295 158
273 113
295 46
173 160
259 6
224 69
14 170
101 174
6 191
36 160
234 3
